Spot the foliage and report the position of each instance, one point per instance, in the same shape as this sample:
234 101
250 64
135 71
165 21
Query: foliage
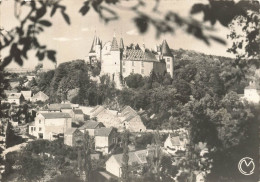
134 81
125 165
30 168
67 177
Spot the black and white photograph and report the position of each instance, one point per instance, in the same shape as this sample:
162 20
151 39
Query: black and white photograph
129 90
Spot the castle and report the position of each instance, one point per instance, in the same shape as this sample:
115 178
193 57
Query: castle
119 61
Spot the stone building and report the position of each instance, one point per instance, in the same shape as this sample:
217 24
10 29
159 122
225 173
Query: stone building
119 61
73 137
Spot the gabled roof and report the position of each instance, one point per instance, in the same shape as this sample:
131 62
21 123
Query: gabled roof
90 125
103 131
27 93
128 110
70 131
57 107
165 49
77 111
134 157
14 95
97 110
41 94
139 55
114 45
55 115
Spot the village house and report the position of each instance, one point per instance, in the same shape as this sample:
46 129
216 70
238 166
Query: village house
27 95
40 96
115 162
106 116
66 108
131 120
50 125
105 138
77 115
252 93
73 137
90 126
15 98
175 143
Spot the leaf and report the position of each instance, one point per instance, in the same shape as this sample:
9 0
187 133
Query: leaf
54 9
219 40
66 17
40 12
84 9
51 55
40 55
45 23
196 8
7 60
141 23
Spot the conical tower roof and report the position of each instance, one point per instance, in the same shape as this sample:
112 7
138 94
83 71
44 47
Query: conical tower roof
114 46
92 50
121 45
165 49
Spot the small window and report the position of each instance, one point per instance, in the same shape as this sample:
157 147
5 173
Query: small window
142 71
133 71
32 129
168 59
142 64
133 63
40 129
40 121
168 65
123 63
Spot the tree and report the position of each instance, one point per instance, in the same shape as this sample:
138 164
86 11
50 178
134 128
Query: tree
134 81
30 168
125 166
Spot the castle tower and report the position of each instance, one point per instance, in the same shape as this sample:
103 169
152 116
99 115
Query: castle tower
168 57
95 50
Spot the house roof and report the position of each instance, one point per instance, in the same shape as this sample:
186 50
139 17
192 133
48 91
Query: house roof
96 41
77 111
121 45
55 115
27 93
128 110
14 95
114 45
103 131
70 131
97 110
89 125
165 49
139 55
56 107
134 157
41 94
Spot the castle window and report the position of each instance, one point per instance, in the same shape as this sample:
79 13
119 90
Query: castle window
39 121
133 63
40 129
142 71
133 70
168 59
168 65
142 64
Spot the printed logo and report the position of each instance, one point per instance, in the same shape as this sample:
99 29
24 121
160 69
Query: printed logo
246 166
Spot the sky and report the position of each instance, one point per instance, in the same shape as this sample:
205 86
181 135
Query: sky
74 41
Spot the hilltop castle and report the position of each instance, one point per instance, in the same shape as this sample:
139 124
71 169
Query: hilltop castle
119 61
